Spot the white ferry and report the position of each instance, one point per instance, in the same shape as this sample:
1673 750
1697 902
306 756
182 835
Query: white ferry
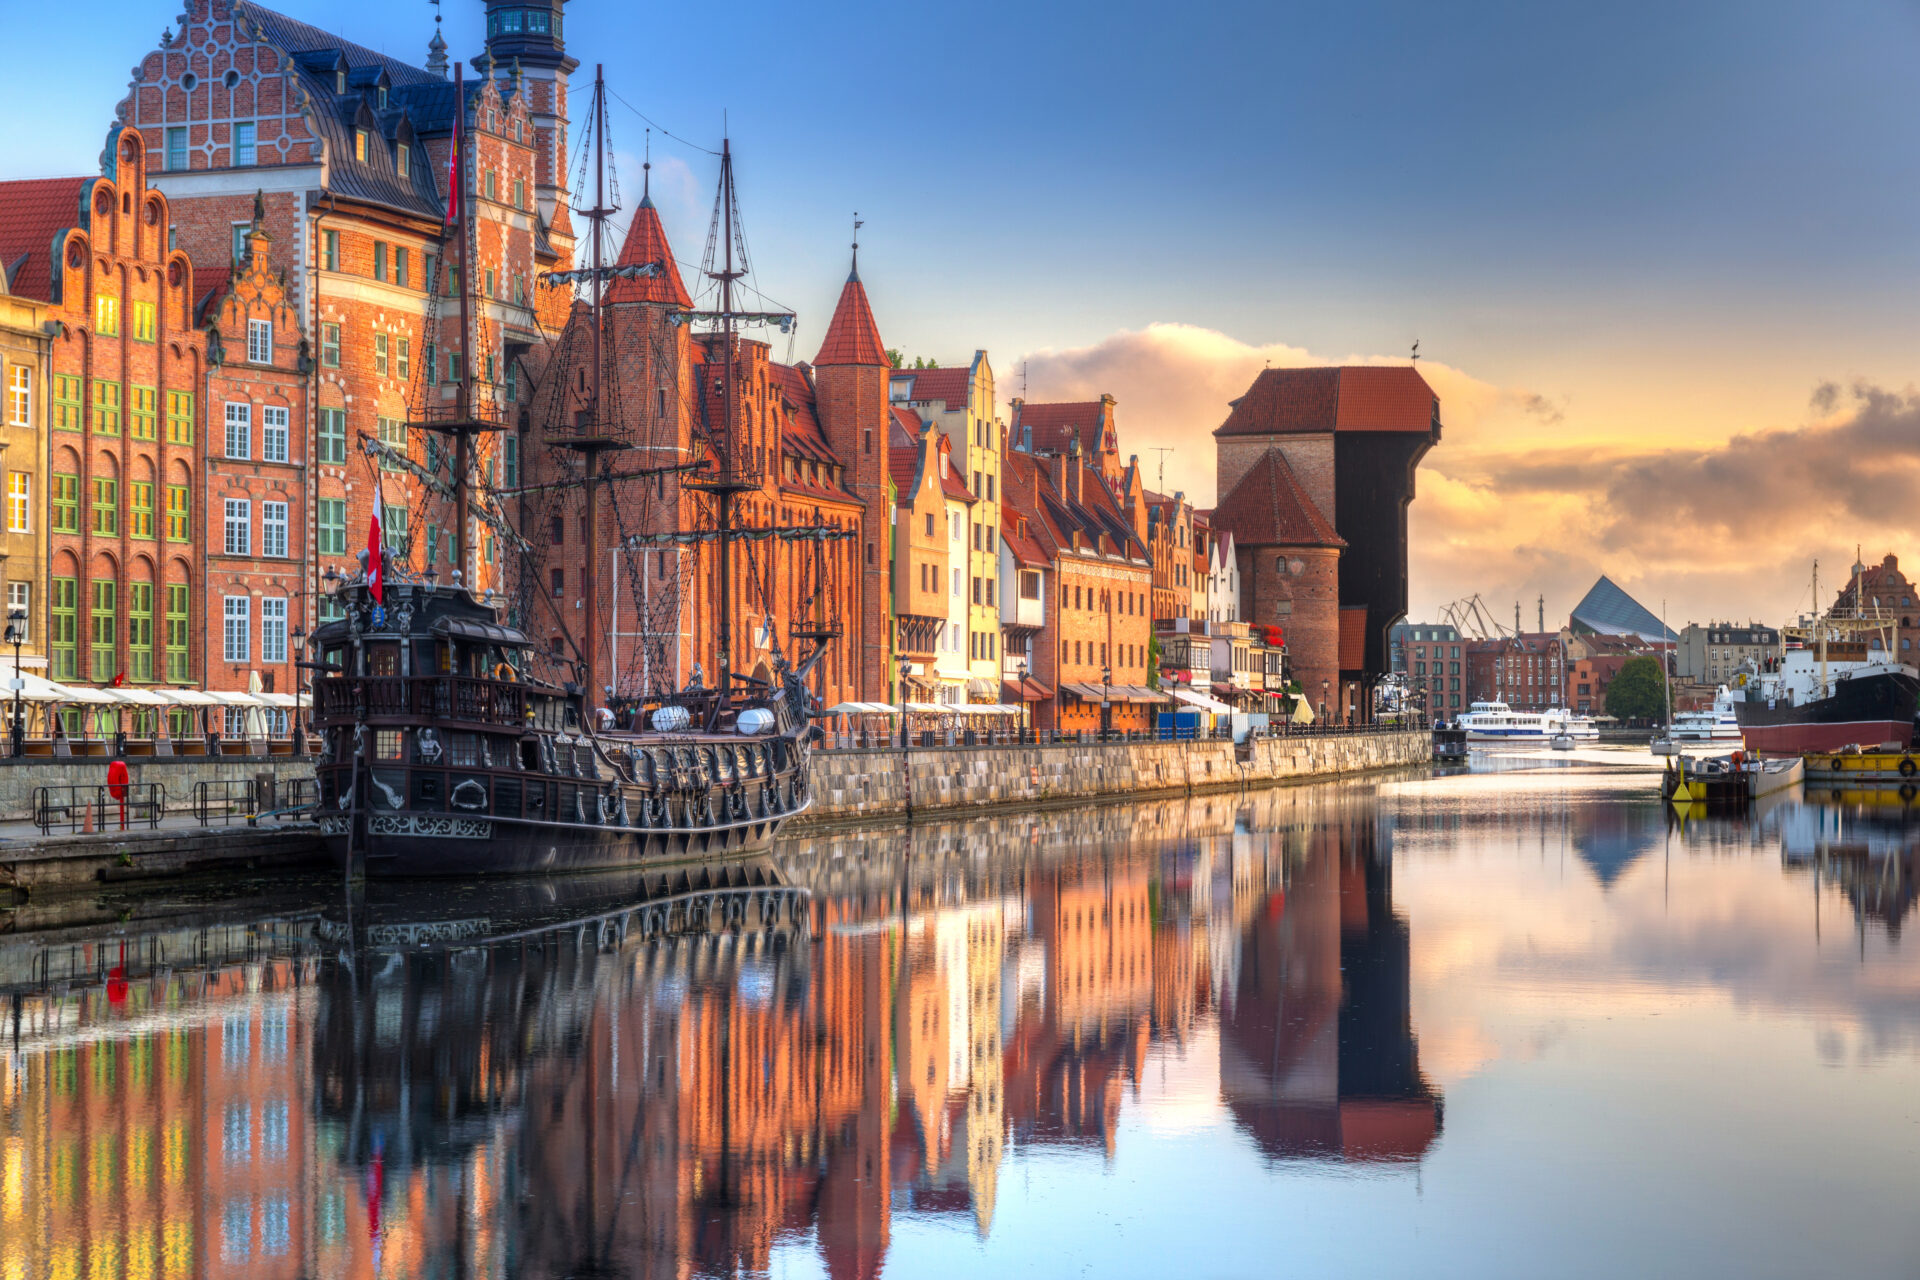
1497 722
1720 724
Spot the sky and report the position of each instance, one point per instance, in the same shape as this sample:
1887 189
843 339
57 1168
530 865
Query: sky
1659 258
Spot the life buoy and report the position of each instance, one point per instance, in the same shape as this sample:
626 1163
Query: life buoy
504 671
1908 791
1906 767
1838 764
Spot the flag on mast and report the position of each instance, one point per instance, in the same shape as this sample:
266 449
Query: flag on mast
376 580
453 152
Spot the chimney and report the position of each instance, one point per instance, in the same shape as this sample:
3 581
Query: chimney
1072 488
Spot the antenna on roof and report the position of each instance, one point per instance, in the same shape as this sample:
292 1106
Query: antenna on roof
1023 379
1163 451
1416 351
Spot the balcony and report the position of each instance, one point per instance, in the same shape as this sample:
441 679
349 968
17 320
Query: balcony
454 699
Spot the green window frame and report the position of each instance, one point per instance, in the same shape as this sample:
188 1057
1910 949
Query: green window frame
103 629
393 434
66 628
106 505
333 436
142 414
179 417
140 631
67 415
393 528
144 318
330 345
333 527
380 355
106 315
403 359
66 502
176 636
179 513
141 509
107 398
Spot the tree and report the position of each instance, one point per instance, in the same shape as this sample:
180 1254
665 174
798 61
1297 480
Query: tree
1153 662
1638 692
894 357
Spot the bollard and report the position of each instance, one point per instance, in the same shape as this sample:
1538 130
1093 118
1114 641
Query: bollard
86 819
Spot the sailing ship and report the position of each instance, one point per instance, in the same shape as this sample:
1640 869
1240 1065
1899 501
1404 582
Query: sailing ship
1836 683
444 749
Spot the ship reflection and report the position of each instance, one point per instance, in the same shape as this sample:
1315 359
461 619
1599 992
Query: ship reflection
685 1074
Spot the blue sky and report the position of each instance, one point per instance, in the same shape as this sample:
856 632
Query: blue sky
1669 222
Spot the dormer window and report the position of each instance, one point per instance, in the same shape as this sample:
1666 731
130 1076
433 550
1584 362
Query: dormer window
360 145
340 80
381 95
403 160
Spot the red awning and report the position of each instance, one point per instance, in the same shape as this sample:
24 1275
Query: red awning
1028 690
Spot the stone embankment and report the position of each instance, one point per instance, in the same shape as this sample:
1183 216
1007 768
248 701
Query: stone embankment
852 786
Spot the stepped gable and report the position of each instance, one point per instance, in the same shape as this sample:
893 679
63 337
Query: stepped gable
33 215
852 337
646 242
1268 508
1346 398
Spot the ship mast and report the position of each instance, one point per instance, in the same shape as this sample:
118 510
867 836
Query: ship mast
591 435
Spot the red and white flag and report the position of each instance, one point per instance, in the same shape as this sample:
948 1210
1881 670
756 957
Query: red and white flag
376 580
453 152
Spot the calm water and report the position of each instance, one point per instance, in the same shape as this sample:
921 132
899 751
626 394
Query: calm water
1511 1023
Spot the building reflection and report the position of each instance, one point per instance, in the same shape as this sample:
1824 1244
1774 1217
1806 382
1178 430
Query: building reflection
586 1079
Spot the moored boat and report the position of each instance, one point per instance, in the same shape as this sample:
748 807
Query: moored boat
1497 722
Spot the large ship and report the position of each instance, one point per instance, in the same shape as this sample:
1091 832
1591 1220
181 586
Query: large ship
1718 723
453 744
1834 684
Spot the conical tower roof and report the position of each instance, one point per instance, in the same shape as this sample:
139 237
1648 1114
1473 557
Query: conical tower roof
647 242
853 337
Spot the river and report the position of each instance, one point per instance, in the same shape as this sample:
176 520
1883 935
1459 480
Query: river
1515 1021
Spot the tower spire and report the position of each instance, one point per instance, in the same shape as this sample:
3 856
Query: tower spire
646 170
854 275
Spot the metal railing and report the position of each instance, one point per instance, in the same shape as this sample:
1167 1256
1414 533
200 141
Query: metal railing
98 808
990 739
225 801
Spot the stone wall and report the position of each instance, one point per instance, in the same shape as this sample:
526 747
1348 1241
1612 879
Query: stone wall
853 785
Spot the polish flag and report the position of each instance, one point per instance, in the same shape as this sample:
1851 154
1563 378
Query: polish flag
453 152
376 580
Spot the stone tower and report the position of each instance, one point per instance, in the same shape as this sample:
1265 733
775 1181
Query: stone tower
529 36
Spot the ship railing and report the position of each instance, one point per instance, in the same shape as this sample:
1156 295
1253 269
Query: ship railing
466 699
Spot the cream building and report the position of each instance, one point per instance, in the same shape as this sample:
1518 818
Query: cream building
959 402
25 376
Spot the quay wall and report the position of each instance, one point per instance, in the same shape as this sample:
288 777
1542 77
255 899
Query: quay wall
177 774
891 782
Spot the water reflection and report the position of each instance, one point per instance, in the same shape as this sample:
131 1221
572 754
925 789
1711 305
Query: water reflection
828 1059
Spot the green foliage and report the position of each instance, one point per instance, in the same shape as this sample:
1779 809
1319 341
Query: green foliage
1153 662
894 357
1637 692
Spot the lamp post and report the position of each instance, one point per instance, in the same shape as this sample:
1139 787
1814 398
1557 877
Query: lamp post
1026 707
16 636
1324 683
299 638
900 689
1106 708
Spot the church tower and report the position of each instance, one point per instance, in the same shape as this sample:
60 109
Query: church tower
850 393
531 35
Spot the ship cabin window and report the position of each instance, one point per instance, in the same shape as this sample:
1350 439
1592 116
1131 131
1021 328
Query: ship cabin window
573 718
464 750
530 754
387 744
383 658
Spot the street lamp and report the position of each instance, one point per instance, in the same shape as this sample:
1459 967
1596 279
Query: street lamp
1106 710
299 638
900 688
1324 682
1026 707
16 635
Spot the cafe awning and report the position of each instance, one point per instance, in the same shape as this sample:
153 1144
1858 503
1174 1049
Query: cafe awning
861 709
1028 690
1203 702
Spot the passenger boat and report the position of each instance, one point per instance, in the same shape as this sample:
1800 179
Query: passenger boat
1449 744
1496 722
444 753
1716 724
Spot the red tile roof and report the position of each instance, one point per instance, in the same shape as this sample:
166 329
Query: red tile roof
1022 545
1353 637
950 479
905 429
1268 508
647 242
800 432
951 385
1348 398
1055 426
32 213
852 336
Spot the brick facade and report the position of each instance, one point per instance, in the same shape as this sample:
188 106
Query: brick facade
26 379
1297 588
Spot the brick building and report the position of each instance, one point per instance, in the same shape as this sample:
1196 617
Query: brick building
127 363
922 559
347 151
254 556
1347 441
1712 654
1092 647
1429 655
1170 544
26 371
1200 569
1881 591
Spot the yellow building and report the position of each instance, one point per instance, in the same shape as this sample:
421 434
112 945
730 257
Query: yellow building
25 375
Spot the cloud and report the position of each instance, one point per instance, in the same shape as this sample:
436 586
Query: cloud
1523 499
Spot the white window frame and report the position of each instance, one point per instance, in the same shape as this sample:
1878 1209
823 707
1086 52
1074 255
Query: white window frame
19 502
275 432
273 530
20 600
236 630
260 342
239 527
273 629
20 395
239 429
